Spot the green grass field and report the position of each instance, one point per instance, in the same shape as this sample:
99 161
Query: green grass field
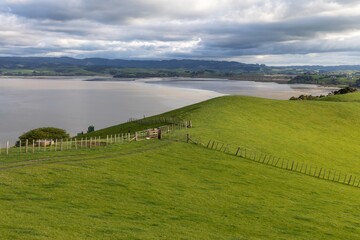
173 190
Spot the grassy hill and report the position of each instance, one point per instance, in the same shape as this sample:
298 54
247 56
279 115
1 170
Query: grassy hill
315 132
173 190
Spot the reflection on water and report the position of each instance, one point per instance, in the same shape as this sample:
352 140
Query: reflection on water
73 104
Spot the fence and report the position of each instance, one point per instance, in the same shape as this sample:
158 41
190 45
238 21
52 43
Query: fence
46 145
289 165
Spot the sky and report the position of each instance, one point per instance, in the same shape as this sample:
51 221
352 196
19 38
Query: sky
272 32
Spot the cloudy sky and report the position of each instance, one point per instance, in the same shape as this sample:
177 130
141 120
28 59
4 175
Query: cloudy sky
274 32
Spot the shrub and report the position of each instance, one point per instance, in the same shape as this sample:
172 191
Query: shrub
44 133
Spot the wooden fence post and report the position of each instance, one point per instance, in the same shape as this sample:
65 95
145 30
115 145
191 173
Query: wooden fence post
349 180
237 151
27 146
320 173
222 145
20 146
56 144
227 145
277 162
33 145
7 148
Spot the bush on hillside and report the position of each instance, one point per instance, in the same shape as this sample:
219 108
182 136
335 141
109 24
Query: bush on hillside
344 91
44 133
337 92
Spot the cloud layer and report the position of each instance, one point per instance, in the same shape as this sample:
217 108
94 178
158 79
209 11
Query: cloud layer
272 32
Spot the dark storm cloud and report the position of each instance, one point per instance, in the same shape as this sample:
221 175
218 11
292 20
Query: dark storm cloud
182 29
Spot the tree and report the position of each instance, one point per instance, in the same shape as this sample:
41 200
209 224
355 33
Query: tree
44 133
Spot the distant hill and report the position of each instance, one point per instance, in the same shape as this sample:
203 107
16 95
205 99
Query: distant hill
36 62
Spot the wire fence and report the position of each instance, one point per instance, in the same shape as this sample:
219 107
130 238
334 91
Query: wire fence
254 155
54 145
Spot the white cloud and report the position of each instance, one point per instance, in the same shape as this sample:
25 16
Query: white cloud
253 30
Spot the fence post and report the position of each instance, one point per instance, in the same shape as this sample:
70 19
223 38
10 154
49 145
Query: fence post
7 148
334 176
222 145
33 145
20 146
227 145
237 151
212 145
56 143
349 180
320 173
277 162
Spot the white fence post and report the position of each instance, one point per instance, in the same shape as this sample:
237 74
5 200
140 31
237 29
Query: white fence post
7 148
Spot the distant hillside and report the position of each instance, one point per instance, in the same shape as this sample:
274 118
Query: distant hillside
36 62
120 68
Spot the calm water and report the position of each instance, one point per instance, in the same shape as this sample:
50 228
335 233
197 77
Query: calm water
74 104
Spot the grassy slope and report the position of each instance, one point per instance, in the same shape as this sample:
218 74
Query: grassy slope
322 133
152 190
351 97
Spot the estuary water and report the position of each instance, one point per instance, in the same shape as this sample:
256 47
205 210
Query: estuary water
75 103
